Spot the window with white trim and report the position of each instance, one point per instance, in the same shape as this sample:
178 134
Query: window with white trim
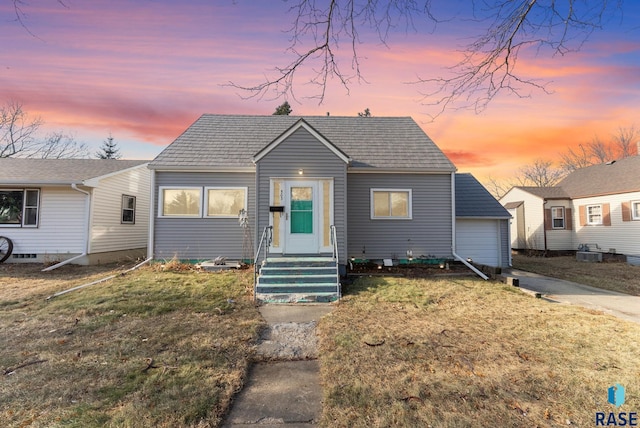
128 210
225 202
19 207
557 217
635 210
180 202
391 204
594 214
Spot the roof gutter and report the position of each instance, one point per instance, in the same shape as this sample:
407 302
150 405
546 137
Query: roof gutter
453 231
87 211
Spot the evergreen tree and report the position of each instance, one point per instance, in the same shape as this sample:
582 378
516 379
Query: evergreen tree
283 109
366 113
109 150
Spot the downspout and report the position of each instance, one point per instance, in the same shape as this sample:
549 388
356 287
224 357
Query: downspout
544 223
152 205
87 211
453 230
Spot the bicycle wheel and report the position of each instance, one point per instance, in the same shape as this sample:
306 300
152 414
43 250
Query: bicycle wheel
6 247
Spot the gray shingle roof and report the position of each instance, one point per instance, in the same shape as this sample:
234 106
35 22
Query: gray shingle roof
473 200
20 171
231 141
622 176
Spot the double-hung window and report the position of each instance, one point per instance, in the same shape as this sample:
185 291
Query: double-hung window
391 204
557 217
635 210
128 209
19 207
594 214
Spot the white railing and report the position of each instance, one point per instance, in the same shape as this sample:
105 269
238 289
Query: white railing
265 240
334 243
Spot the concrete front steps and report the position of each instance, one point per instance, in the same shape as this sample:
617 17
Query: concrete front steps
298 280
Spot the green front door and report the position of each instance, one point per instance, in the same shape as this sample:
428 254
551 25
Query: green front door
302 217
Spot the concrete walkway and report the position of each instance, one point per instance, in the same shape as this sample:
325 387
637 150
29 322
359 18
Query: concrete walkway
621 305
283 390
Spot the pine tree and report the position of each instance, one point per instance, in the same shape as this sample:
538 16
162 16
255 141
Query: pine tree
109 149
283 109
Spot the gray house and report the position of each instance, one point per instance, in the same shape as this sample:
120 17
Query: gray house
341 187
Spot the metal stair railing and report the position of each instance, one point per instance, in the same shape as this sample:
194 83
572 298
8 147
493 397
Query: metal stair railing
265 240
334 242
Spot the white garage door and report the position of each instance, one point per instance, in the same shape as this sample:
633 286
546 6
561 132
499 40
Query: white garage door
478 240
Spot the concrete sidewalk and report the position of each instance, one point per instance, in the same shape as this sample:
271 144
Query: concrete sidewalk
621 305
281 392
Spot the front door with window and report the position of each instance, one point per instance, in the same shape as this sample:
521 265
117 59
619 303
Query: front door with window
301 217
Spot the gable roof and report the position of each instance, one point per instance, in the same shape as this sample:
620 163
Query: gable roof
24 171
229 142
604 179
301 124
474 201
545 192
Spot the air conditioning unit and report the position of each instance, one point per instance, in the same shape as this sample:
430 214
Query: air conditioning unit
588 256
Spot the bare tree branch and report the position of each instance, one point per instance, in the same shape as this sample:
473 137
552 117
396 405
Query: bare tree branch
18 137
541 173
489 65
17 130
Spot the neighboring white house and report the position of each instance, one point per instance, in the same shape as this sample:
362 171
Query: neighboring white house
88 210
595 208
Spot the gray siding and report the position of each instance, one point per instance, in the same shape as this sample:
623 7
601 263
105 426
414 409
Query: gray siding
505 243
201 238
428 233
303 151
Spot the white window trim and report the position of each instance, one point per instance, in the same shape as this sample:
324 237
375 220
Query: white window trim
589 222
633 211
24 208
410 208
205 206
161 190
122 209
564 219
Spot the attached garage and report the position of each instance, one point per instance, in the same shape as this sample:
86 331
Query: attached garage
479 240
482 224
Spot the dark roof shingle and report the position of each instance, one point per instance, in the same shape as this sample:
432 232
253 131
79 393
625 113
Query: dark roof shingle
231 141
473 200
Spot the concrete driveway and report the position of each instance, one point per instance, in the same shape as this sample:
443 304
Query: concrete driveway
617 304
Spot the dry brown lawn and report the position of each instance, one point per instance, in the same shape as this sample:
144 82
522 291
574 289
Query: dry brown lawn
469 353
615 276
151 348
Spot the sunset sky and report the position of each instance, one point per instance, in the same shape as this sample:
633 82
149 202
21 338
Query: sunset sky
145 70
